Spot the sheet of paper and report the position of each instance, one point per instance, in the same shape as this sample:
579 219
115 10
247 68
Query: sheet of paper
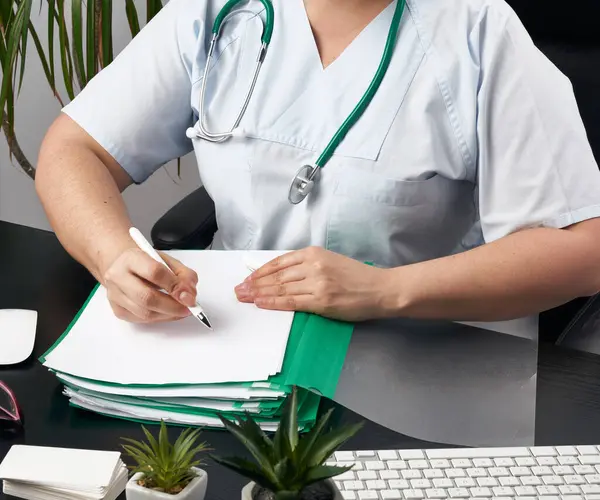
247 343
234 392
17 335
67 468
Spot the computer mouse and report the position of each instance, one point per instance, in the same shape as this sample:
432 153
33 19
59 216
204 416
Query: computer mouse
17 335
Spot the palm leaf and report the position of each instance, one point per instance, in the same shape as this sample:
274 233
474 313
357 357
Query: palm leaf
42 55
132 17
106 33
51 18
77 32
90 44
12 29
65 53
26 4
152 8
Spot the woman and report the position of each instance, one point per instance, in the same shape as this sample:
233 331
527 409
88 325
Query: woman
468 181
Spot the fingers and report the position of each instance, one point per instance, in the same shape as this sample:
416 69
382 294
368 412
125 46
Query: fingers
300 303
148 298
183 272
278 264
128 310
249 293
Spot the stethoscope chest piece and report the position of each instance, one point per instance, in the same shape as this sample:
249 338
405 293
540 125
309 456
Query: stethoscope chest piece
302 184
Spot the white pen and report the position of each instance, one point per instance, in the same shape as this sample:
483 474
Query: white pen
146 247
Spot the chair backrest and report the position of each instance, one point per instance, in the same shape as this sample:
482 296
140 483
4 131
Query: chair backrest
568 32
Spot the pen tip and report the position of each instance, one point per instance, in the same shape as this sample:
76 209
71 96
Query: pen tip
206 323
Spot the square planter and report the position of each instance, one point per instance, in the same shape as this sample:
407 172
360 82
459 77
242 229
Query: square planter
247 491
196 490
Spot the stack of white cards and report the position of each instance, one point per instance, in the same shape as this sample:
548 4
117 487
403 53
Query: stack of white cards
41 473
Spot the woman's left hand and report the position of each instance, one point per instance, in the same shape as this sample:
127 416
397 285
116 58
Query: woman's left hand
322 282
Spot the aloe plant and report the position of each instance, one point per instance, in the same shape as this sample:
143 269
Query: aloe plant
166 467
290 464
84 36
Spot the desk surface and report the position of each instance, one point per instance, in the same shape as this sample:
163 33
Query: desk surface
36 273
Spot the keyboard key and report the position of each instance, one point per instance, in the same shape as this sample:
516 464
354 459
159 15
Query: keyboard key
552 480
355 465
589 489
363 475
477 453
348 495
435 493
413 494
443 483
502 491
589 459
497 471
520 471
546 461
420 483
411 474
411 455
549 497
562 470
368 495
458 493
587 450
571 497
433 473
584 469
365 453
481 492
465 482
530 480
568 460
398 484
441 463
353 485
397 464
376 485
509 481
593 478
543 451
391 495
542 470
487 481
574 479
527 461
455 473
418 464
483 462
346 476
547 490
566 489
389 474
344 456
567 450
525 491
375 465
476 472
461 462
387 455
504 462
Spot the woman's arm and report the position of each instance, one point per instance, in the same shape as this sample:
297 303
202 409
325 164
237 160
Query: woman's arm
521 274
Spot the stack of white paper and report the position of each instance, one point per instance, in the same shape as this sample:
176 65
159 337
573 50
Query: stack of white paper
181 372
42 473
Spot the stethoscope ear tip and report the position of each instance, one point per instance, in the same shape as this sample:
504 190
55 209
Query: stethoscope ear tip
191 133
238 132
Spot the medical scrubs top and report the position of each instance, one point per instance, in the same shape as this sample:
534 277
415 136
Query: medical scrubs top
473 134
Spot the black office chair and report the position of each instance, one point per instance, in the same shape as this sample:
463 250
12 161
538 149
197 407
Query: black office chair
568 35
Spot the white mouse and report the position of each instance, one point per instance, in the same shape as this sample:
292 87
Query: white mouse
17 335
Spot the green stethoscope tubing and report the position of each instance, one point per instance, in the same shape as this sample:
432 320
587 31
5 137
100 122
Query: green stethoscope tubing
268 26
371 91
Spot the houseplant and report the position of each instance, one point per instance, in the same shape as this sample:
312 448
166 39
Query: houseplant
164 470
81 31
289 467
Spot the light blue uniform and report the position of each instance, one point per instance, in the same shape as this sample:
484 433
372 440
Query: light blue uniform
472 135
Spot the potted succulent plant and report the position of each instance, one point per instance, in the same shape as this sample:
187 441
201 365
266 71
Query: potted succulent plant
288 467
164 470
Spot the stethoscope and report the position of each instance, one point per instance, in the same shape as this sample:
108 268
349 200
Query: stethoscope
304 181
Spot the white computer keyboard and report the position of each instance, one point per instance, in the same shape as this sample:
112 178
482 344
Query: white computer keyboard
543 473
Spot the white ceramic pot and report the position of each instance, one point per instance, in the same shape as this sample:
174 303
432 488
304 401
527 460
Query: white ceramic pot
247 491
196 490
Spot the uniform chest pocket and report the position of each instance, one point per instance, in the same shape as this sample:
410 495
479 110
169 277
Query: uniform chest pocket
392 222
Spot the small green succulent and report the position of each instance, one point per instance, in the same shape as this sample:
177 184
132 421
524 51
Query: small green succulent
166 467
288 464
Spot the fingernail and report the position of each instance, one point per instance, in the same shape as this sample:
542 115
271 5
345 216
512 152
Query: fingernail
242 287
186 298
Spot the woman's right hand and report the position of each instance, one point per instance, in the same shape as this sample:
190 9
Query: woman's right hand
134 281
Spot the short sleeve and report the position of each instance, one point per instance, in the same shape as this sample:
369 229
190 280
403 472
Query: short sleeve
535 164
138 108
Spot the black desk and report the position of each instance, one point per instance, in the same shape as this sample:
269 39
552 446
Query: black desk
36 273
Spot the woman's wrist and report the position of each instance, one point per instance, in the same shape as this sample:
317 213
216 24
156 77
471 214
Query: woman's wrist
393 293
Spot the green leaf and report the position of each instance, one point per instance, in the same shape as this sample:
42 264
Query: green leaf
26 4
256 447
323 472
65 54
249 470
77 31
307 442
163 444
90 44
289 420
42 56
287 495
152 8
328 443
106 33
13 29
51 15
151 441
132 17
